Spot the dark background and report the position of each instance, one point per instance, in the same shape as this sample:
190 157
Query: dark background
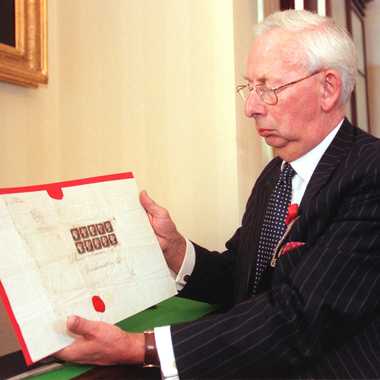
7 22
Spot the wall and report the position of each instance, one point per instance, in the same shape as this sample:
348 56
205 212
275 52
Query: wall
29 125
372 27
147 86
338 13
137 85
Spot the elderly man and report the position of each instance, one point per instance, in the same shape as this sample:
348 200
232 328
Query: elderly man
301 296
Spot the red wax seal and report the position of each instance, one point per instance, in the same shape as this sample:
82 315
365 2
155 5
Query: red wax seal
98 304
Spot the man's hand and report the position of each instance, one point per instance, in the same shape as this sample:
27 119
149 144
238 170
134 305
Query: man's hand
172 243
101 343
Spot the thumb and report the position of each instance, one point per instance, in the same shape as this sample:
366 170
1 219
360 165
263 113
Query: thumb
79 326
150 205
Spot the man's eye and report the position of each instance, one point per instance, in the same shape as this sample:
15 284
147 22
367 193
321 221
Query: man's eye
261 89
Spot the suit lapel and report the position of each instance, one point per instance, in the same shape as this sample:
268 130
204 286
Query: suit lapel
247 265
333 156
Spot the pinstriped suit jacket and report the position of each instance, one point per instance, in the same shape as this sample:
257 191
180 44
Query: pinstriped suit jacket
318 314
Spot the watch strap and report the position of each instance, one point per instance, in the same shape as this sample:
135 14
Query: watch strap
151 358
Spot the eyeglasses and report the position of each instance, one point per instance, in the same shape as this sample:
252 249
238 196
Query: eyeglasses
266 94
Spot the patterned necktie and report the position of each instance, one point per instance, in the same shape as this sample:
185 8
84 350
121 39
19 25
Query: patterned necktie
274 221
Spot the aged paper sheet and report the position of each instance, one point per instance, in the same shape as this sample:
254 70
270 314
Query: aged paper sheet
92 253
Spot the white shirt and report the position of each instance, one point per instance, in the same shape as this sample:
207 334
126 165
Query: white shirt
304 168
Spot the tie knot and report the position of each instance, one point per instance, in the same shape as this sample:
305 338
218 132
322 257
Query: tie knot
287 172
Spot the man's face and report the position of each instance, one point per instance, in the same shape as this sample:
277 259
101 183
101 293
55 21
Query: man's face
294 125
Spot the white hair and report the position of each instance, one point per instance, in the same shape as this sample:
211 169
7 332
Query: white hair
325 44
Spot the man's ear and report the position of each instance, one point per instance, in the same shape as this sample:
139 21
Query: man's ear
331 89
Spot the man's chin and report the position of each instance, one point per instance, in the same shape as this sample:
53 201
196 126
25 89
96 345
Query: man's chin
276 142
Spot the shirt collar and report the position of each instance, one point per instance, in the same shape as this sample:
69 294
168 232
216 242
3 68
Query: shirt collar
306 164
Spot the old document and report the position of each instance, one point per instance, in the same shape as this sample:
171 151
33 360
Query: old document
81 247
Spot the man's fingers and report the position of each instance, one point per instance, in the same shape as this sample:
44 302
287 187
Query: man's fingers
80 326
65 354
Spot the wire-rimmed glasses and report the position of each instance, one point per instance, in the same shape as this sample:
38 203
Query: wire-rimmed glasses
266 94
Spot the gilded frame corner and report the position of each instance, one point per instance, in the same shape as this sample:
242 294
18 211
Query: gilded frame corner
26 63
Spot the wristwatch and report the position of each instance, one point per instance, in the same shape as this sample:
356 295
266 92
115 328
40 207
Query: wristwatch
151 356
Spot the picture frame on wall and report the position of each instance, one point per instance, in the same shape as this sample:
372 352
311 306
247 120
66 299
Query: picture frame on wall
23 42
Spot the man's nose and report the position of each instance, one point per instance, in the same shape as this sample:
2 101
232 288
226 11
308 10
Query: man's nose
254 106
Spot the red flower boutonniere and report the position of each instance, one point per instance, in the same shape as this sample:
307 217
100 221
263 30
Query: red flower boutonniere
292 213
290 219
